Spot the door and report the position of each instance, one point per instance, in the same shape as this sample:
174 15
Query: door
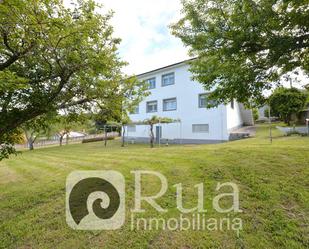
158 134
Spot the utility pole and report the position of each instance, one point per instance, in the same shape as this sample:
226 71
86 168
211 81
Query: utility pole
105 136
270 128
291 83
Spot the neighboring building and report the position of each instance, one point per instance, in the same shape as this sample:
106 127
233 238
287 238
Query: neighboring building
175 95
261 111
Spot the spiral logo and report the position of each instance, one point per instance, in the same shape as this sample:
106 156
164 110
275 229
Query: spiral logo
95 200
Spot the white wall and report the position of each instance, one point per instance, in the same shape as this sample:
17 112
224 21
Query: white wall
234 116
186 91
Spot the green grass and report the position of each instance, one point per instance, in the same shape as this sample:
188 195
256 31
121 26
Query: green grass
273 181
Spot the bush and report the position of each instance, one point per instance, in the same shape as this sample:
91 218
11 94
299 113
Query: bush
295 132
266 112
255 112
96 139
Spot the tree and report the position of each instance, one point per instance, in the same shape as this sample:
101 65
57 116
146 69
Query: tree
36 127
255 113
64 124
7 148
285 102
153 121
117 111
244 47
124 122
53 59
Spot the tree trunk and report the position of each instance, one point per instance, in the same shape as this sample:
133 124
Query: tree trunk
287 120
151 136
30 144
123 134
30 140
67 139
105 137
60 140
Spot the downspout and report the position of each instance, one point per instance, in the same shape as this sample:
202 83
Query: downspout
222 123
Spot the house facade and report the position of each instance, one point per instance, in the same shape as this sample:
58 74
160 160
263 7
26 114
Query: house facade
174 95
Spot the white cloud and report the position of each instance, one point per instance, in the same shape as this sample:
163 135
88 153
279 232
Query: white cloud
143 27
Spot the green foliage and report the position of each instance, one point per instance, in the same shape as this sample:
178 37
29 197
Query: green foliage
36 127
123 102
243 47
255 114
62 125
97 139
287 101
266 113
156 120
53 60
307 93
7 148
294 132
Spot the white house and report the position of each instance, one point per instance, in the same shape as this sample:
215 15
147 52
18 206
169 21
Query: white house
175 95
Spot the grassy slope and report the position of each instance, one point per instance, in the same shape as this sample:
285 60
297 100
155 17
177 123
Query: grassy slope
273 180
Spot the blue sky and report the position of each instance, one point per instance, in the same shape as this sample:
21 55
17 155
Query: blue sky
147 42
143 27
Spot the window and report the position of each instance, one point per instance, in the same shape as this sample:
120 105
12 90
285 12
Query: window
203 100
151 83
168 79
169 104
152 106
200 128
131 128
135 110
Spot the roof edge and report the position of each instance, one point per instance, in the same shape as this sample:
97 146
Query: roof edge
161 68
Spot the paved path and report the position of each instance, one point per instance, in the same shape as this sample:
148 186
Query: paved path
246 129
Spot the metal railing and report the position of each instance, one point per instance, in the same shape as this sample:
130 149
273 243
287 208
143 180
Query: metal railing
71 140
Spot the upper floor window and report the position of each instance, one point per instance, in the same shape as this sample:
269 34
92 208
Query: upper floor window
168 79
151 83
169 104
135 110
152 106
203 100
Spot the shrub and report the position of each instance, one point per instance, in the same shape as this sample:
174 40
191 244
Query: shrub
255 112
295 132
96 139
266 112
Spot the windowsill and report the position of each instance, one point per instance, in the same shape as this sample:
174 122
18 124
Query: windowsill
170 110
167 85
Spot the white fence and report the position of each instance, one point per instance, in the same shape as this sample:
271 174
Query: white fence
70 140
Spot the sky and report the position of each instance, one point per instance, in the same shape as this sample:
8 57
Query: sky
147 42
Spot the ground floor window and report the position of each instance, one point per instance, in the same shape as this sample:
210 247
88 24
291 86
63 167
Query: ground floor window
131 128
200 128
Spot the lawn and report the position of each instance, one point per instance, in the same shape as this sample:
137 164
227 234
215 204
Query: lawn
273 181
